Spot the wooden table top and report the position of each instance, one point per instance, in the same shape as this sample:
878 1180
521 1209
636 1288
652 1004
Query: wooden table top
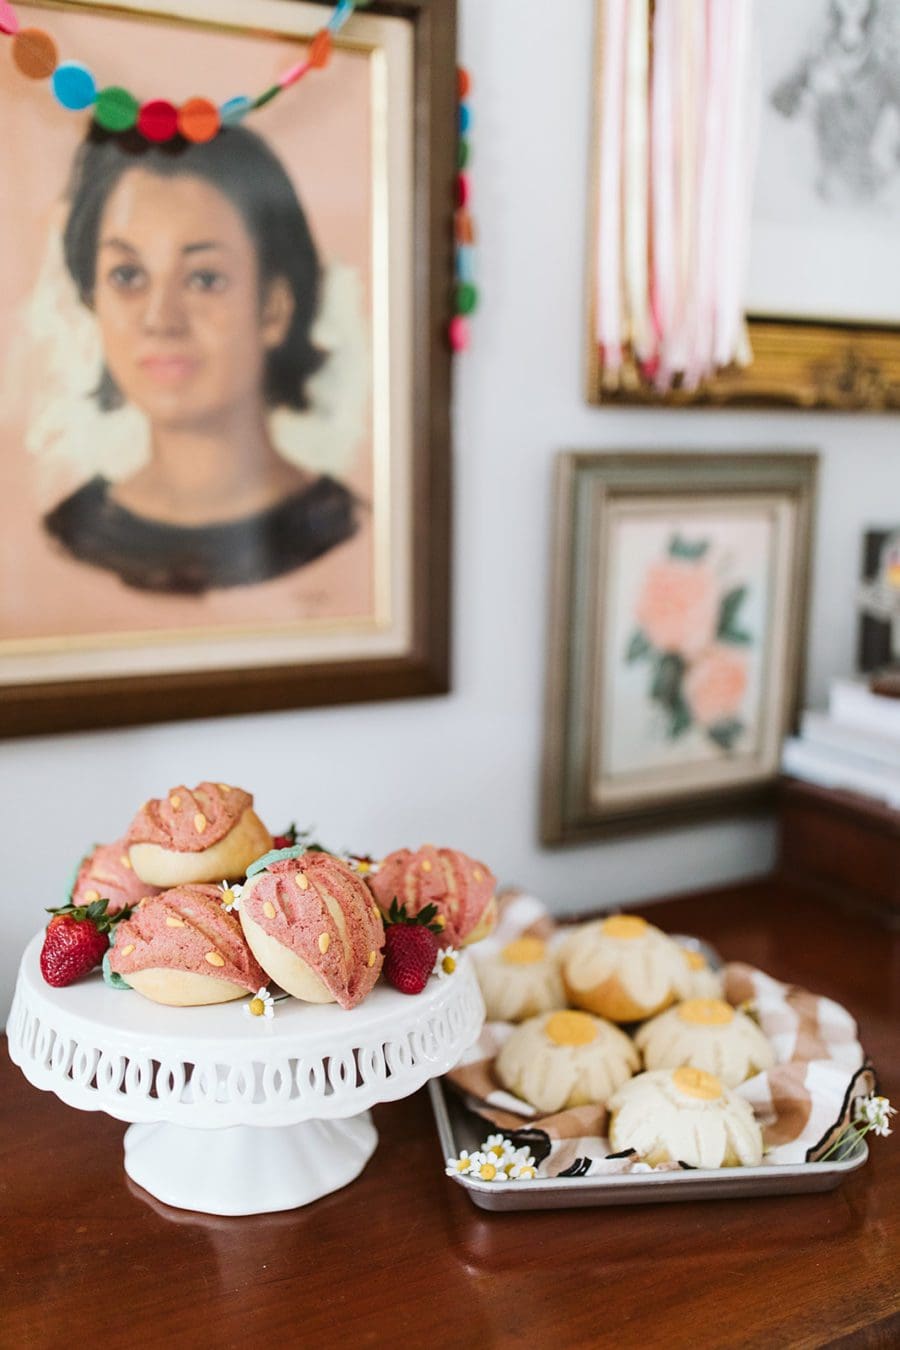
402 1258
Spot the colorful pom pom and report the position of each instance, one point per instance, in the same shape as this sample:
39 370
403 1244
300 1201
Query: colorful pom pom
9 19
74 86
465 119
466 298
198 120
34 52
463 83
116 109
320 50
459 333
158 120
464 228
465 263
462 155
463 190
235 108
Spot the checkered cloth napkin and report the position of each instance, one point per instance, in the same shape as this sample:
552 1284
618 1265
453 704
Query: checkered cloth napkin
802 1103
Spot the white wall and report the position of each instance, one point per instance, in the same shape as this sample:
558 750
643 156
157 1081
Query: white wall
464 769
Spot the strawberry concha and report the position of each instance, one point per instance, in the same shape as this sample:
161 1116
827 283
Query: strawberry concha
461 889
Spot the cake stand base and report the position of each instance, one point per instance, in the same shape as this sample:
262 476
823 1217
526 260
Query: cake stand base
246 1169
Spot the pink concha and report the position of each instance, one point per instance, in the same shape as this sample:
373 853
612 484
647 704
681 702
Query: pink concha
188 929
189 820
107 874
318 909
461 888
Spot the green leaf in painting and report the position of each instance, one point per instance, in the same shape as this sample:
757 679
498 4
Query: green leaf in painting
725 733
666 686
684 548
728 629
638 647
681 720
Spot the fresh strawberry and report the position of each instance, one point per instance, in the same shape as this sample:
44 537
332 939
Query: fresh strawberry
76 939
410 948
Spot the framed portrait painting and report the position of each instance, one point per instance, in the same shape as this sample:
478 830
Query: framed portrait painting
676 641
225 413
821 292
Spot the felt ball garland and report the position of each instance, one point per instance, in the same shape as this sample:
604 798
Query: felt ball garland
116 109
465 292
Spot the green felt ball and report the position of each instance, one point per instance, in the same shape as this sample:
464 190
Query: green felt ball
466 297
116 109
462 155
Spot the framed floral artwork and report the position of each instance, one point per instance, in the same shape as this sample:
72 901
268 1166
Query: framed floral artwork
676 642
225 416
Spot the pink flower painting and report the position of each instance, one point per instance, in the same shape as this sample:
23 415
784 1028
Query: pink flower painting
690 633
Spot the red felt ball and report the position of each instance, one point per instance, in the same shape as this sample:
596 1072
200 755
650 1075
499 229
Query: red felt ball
463 189
459 333
158 120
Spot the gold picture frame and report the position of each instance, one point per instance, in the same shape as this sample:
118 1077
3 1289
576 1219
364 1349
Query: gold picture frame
842 366
676 643
368 618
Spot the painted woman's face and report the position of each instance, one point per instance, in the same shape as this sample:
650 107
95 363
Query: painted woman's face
184 329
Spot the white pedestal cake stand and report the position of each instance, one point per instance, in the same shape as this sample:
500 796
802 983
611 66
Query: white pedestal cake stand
238 1115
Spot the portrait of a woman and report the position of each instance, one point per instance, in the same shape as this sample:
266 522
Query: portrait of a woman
199 267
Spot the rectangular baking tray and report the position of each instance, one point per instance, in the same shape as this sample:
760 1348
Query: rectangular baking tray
459 1128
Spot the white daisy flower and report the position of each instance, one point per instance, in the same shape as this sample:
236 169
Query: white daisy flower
498 1146
522 1171
231 896
875 1113
362 865
466 1163
641 1167
445 962
490 1169
261 1005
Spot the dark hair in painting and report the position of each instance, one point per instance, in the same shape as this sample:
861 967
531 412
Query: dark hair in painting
243 168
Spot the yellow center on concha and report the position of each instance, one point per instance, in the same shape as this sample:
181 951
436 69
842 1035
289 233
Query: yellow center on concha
524 951
697 1083
624 926
570 1028
706 1012
696 960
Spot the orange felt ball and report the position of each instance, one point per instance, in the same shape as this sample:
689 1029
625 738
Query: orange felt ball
198 120
463 83
34 52
464 228
320 50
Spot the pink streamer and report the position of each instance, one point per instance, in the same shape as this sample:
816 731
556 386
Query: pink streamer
609 243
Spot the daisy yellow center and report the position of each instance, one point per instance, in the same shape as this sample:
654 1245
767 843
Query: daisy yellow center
696 960
626 926
487 1171
524 951
705 1087
496 1150
706 1012
363 867
464 1165
448 965
257 1007
228 897
570 1028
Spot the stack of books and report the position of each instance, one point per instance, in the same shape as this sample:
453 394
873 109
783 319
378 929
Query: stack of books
854 746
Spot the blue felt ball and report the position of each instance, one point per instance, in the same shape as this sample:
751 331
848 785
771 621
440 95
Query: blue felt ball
74 85
465 119
235 108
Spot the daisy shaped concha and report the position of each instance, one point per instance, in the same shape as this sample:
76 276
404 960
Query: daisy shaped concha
706 1033
520 981
564 1059
684 1116
703 981
624 969
461 888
